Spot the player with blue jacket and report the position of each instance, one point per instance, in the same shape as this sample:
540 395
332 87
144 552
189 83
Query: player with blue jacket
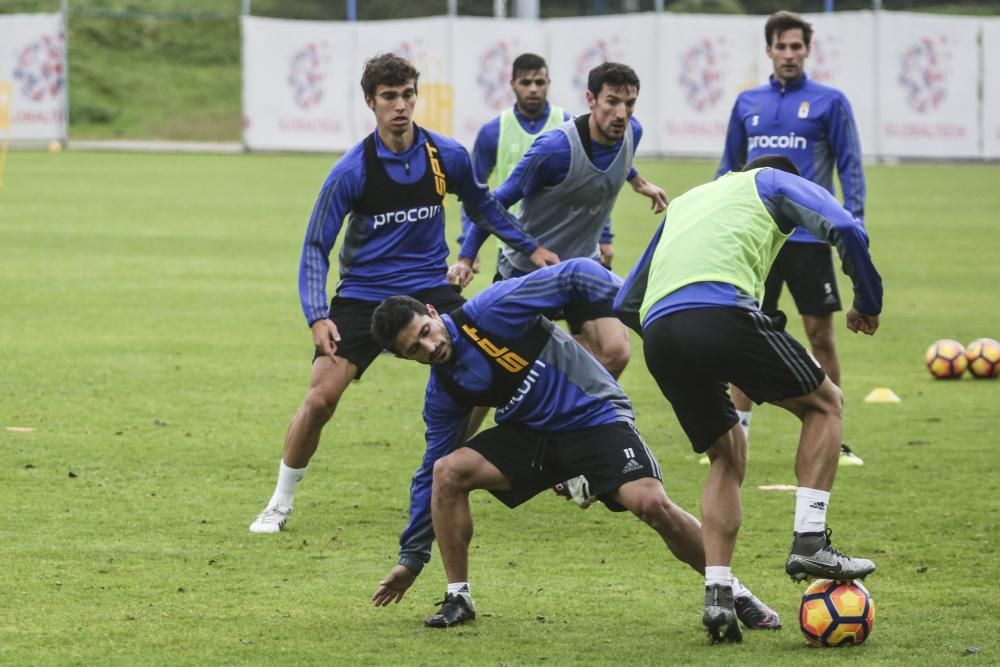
813 126
391 188
559 414
695 296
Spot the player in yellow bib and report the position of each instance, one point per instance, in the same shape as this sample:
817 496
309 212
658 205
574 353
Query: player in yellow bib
503 141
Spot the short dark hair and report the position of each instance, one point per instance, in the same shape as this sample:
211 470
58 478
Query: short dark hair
527 62
392 316
779 162
615 75
784 20
387 69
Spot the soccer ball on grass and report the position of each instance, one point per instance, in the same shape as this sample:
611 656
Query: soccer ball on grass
946 359
836 613
983 356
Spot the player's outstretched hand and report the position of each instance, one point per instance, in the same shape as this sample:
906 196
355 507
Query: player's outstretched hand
325 337
655 193
866 324
544 257
394 586
461 272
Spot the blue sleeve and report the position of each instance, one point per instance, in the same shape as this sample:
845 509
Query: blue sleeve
342 188
446 423
545 164
484 158
633 290
843 136
510 306
793 200
482 207
636 138
734 154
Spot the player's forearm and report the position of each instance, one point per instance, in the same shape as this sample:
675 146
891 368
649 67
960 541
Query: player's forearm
852 246
313 269
492 218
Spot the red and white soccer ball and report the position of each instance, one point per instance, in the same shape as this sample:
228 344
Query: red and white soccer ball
946 359
836 613
983 355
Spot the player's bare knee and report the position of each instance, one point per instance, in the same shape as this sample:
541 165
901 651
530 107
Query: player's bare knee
615 357
657 511
830 399
450 473
821 337
730 452
320 403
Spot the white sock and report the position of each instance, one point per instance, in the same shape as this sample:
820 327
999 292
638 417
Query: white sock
810 510
739 590
460 587
717 574
288 481
745 416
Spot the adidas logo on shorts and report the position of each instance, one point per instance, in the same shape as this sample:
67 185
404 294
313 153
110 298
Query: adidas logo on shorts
631 466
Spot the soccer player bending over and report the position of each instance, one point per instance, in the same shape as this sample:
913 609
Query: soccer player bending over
559 414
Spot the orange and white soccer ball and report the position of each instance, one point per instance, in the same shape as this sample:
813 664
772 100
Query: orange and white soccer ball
946 359
983 355
836 613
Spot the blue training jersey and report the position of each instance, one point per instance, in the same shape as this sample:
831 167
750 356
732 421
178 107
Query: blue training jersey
809 123
400 252
790 200
546 165
567 389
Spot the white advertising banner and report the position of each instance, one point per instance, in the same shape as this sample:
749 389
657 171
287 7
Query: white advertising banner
928 79
427 44
483 53
578 45
843 48
704 62
912 79
991 88
297 84
33 70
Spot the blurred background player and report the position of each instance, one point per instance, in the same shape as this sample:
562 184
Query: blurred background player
392 185
695 292
567 184
559 414
502 142
814 126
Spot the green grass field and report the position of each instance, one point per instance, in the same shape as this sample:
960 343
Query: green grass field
151 337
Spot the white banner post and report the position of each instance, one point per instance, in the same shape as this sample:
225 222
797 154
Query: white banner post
33 63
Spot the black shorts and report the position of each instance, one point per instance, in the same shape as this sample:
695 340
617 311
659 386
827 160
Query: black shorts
353 318
533 461
694 354
808 270
575 314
